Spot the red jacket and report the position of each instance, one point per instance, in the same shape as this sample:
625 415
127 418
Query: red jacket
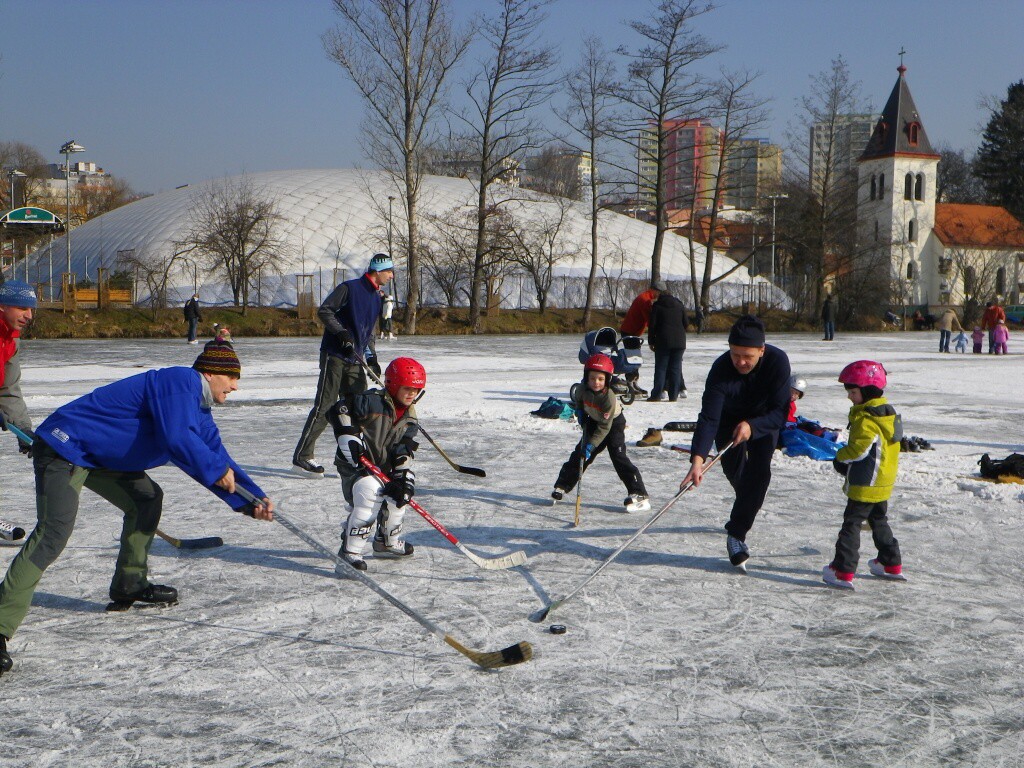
8 346
638 314
992 317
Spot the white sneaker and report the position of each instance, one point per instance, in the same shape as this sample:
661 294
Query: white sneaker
831 577
10 531
637 502
893 572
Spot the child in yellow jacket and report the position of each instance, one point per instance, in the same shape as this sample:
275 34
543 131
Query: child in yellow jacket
869 461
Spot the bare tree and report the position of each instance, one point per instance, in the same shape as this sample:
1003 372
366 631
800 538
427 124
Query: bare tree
235 230
662 85
19 156
590 89
539 242
512 82
449 239
956 181
153 270
554 170
398 53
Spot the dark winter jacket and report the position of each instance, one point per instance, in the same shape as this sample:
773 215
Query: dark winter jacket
385 435
600 410
761 398
146 421
191 310
350 314
873 451
11 401
667 328
828 311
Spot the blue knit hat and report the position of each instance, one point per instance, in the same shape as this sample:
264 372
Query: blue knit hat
17 293
380 262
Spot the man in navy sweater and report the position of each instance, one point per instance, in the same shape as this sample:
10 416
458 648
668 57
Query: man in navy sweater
349 316
746 401
105 441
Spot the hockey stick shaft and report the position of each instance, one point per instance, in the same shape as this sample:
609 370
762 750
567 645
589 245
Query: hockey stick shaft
579 480
608 560
206 543
475 471
496 563
514 654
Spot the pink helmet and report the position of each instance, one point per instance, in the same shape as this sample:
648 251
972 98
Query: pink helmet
864 373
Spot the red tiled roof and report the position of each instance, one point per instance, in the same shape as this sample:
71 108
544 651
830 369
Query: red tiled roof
977 226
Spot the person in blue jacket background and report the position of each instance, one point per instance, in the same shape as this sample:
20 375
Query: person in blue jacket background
746 403
105 441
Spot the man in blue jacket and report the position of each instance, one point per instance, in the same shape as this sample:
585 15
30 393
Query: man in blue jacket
105 441
746 402
349 316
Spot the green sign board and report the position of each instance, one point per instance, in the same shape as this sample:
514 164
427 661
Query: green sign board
30 216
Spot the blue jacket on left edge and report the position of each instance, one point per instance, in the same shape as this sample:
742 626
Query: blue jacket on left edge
146 421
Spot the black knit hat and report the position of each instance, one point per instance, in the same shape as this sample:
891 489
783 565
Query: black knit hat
218 357
748 331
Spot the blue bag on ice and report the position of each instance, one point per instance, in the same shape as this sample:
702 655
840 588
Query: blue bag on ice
553 408
796 442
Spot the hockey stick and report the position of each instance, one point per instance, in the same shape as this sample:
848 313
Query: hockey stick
506 657
543 612
492 563
579 480
680 426
475 471
210 542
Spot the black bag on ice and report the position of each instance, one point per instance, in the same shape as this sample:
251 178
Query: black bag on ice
994 468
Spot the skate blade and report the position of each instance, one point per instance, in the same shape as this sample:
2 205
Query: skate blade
120 606
308 475
740 567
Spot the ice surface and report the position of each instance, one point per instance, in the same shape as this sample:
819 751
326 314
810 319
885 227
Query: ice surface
670 659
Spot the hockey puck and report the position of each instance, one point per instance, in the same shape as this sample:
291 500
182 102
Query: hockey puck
557 629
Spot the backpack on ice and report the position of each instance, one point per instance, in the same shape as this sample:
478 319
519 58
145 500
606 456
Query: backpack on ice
996 468
553 408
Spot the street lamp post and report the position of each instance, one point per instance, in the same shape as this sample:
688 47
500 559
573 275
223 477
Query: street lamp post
14 174
66 149
774 199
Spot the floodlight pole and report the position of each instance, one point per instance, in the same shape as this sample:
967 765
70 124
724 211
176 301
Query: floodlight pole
774 199
66 149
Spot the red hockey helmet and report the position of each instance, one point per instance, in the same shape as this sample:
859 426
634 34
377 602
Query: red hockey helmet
864 373
404 372
599 362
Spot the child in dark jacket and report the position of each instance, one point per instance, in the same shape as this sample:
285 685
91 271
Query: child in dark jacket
380 425
869 461
604 426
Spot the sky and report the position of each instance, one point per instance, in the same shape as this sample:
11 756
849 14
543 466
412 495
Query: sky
170 93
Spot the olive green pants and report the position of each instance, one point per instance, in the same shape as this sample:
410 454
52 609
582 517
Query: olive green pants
58 487
337 378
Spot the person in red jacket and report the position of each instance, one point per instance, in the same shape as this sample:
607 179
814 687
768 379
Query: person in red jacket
17 300
993 314
635 323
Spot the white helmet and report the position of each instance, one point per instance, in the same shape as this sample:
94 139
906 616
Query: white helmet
795 382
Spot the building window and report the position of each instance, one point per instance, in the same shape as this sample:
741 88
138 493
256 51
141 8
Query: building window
908 187
919 187
913 133
881 186
912 231
1001 281
874 187
910 270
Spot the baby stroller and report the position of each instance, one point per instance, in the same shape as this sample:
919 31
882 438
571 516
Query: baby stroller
624 352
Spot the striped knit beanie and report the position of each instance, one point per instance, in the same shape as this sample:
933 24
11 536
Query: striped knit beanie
218 357
17 293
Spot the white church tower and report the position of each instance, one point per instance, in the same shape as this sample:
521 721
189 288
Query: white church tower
896 201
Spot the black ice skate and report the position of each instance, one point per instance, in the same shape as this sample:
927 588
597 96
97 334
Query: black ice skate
738 552
151 594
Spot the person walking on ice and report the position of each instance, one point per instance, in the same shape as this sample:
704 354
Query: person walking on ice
106 441
380 425
869 462
604 426
746 402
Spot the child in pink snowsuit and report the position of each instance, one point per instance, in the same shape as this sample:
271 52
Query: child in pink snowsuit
1000 335
978 337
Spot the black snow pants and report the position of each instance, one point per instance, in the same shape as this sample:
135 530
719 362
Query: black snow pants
848 543
615 442
748 467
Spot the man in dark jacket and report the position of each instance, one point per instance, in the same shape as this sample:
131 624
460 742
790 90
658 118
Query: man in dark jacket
193 318
349 316
828 318
107 441
667 339
746 401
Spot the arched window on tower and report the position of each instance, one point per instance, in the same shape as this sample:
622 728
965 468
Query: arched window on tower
874 187
912 231
919 187
913 133
908 187
881 186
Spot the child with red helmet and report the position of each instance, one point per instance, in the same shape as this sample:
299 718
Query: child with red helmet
382 426
604 426
869 461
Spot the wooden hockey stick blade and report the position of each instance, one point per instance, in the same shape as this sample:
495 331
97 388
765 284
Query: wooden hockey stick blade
506 657
209 542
